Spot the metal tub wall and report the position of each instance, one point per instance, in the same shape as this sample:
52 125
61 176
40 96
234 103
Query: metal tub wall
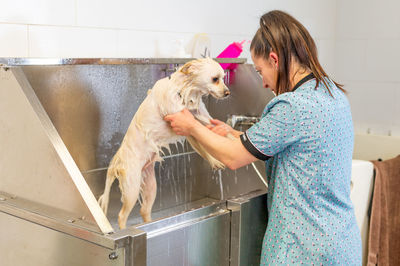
27 243
201 217
91 106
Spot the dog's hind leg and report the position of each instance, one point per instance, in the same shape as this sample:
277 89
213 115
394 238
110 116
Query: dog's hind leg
148 191
129 186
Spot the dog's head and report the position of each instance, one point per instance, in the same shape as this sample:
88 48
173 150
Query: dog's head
206 76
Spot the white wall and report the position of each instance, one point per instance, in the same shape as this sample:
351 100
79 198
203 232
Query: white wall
128 28
367 62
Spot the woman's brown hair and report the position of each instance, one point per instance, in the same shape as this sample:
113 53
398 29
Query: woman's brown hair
289 39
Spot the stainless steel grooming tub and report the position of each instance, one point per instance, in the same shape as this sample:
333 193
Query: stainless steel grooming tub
62 120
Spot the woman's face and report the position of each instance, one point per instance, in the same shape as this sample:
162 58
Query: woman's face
268 70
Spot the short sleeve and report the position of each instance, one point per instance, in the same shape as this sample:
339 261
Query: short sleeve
278 128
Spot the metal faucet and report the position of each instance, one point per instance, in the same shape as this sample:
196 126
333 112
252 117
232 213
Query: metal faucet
234 120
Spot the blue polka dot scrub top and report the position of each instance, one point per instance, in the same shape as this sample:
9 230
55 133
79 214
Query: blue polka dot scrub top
306 137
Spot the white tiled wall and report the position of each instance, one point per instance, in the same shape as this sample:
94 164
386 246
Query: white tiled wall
127 28
13 40
367 62
56 41
44 12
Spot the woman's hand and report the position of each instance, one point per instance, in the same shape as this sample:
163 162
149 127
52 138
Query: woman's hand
182 122
219 127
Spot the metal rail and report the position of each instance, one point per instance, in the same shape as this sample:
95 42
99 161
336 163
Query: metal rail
107 61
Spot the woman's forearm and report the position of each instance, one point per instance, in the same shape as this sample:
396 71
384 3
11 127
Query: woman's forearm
228 151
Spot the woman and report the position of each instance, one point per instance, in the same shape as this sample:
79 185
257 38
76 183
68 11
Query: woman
305 135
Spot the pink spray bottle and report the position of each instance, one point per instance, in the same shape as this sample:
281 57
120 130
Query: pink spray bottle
232 51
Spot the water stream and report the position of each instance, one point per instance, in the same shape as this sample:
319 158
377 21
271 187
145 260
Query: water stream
220 184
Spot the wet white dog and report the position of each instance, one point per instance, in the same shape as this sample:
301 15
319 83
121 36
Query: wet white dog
133 164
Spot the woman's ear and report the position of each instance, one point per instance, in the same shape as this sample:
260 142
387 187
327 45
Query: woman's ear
273 58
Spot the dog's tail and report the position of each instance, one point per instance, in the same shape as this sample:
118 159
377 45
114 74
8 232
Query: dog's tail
215 164
104 199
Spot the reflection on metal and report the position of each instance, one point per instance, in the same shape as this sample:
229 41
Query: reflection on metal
35 162
53 218
26 243
62 120
197 237
248 224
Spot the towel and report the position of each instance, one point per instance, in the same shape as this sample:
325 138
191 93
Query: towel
384 228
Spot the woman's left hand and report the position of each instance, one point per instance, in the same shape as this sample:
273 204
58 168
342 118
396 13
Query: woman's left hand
182 122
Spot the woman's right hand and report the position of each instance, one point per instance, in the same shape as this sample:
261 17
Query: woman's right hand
219 127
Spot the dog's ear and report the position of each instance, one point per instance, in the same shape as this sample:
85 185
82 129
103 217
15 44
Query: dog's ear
192 67
187 68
